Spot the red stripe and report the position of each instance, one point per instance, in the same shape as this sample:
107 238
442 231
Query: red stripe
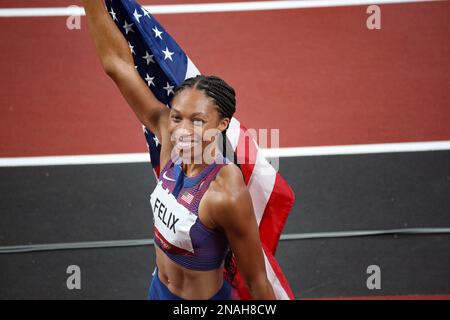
168 246
279 273
246 154
156 171
281 199
275 215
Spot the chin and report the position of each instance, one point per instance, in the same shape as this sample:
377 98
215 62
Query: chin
188 156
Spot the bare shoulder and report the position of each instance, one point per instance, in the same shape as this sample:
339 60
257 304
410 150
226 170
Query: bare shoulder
229 198
228 184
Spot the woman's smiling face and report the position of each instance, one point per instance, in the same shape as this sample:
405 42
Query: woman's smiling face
194 123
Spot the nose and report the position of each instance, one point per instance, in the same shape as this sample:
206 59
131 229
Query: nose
185 127
182 132
190 128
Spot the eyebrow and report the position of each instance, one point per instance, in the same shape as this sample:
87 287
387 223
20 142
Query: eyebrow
193 115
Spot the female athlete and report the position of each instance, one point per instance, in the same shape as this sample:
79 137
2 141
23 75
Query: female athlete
202 209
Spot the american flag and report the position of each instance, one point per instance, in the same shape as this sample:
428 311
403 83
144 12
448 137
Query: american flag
187 197
163 65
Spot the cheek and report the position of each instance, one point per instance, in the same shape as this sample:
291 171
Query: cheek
176 129
171 127
209 132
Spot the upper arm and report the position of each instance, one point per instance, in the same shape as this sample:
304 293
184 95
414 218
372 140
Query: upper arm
149 110
235 215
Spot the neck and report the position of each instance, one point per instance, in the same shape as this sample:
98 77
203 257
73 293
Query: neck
194 169
194 166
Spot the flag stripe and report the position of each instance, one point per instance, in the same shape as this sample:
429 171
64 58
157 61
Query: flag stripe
191 70
261 180
261 184
276 213
276 278
233 132
246 153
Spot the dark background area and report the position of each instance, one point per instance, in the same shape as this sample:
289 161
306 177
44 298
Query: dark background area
57 204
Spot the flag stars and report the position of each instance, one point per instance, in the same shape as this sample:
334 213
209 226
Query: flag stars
113 14
148 57
146 13
167 54
137 16
131 48
157 32
128 27
150 80
169 89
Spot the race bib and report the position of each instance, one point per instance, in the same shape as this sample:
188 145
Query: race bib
172 221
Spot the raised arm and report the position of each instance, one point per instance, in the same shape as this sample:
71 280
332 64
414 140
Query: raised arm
117 61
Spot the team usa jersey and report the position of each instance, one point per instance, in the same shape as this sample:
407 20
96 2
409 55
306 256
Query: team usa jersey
179 233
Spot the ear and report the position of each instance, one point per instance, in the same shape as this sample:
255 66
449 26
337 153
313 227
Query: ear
223 124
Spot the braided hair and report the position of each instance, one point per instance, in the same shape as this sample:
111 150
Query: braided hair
224 98
217 89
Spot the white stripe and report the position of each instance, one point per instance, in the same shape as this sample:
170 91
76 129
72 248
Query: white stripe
357 149
261 184
270 153
233 132
203 7
278 289
191 70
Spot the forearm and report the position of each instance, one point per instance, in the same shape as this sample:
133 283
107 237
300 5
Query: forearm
109 42
261 290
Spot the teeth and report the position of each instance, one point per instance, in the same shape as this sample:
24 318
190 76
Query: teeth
187 139
187 144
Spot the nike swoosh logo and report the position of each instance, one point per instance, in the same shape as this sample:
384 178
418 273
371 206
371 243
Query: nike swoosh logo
166 177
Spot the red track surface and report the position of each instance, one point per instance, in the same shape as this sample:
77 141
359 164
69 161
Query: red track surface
319 75
400 297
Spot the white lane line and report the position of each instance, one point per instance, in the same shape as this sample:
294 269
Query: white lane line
357 149
203 7
146 242
75 160
269 153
